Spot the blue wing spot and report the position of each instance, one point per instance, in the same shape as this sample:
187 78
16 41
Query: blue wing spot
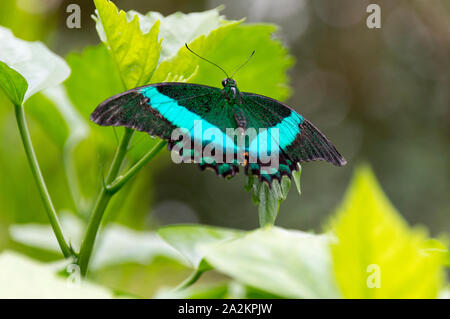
181 117
266 141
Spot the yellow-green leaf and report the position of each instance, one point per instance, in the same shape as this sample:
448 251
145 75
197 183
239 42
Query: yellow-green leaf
377 255
135 53
13 84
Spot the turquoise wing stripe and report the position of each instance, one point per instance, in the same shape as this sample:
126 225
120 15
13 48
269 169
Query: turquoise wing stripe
266 141
199 129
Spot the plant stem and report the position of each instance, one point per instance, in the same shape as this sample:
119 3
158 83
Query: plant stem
196 274
118 183
37 174
102 202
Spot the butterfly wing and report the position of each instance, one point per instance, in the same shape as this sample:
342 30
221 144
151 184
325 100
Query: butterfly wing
159 109
298 139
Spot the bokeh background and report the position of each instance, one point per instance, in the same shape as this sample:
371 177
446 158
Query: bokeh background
382 96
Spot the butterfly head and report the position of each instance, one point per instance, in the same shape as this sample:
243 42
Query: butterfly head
230 90
228 83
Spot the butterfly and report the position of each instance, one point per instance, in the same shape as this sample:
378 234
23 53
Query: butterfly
279 132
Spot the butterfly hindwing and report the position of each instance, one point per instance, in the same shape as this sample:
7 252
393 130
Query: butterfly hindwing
298 139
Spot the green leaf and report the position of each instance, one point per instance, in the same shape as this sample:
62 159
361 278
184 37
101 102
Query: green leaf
94 78
268 199
22 277
118 244
285 186
27 67
173 28
56 114
229 46
47 115
268 205
88 71
376 248
286 263
135 53
13 84
217 291
194 242
296 177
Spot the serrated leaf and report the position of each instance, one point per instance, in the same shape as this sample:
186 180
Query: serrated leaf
229 46
194 242
285 263
135 54
37 66
173 28
377 255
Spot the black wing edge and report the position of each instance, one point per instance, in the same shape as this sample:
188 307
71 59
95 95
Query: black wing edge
314 145
320 149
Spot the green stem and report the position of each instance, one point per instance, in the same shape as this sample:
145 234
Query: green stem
118 183
37 174
102 202
196 274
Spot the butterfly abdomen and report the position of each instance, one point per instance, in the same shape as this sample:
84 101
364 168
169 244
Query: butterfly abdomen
239 116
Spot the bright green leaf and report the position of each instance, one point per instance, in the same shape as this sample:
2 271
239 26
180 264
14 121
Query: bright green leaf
377 255
22 277
135 54
194 242
38 67
173 28
13 84
286 263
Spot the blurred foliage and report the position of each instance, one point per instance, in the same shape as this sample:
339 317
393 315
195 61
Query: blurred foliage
275 262
33 279
371 232
380 95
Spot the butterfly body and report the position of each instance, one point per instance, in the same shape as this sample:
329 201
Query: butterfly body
278 130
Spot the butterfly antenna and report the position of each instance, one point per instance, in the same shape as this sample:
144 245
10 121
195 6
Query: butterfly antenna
243 64
206 60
